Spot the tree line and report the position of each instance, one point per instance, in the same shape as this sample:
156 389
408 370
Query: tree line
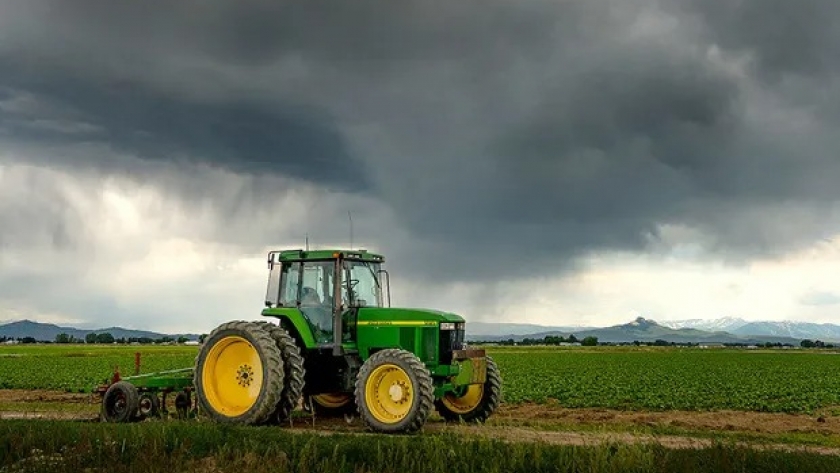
548 340
100 338
107 338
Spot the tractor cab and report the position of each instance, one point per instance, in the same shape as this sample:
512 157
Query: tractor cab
328 288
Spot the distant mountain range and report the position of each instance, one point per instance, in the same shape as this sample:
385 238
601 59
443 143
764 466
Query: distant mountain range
727 330
736 326
47 332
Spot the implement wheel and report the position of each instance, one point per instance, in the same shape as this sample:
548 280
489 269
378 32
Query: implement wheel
120 402
476 402
239 374
293 372
394 392
148 405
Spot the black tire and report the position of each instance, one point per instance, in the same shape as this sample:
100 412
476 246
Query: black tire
310 403
182 405
490 400
272 373
293 371
148 405
421 387
120 402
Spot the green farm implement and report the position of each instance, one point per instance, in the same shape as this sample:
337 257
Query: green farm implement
329 342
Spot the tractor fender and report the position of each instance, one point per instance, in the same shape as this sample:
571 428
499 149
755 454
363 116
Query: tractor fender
293 321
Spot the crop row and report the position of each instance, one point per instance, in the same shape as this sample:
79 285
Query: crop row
673 379
604 378
80 367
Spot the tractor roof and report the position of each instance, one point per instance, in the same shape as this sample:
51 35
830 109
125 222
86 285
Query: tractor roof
296 255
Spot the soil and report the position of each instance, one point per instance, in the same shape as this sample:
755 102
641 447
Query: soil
26 396
516 423
730 421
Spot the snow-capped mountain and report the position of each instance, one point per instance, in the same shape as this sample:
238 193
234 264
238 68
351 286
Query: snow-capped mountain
738 326
824 332
725 324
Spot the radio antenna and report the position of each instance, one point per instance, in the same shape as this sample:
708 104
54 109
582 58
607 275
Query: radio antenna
351 228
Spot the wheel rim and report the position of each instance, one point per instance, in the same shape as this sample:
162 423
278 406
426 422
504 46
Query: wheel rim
465 403
117 404
146 405
232 376
332 400
389 394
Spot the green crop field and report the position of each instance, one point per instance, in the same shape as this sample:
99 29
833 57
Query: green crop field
646 379
683 379
79 367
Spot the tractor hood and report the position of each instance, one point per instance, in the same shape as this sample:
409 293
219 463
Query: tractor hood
386 314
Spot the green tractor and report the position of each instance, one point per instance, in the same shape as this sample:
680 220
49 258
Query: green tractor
333 342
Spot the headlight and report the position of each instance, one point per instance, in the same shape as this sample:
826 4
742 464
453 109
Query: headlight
447 326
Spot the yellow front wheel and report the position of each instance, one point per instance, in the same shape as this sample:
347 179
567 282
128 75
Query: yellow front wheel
394 392
475 402
239 374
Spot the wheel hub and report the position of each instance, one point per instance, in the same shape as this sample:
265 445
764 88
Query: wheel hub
398 392
244 375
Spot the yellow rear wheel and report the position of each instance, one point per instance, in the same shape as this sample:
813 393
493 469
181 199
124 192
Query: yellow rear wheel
394 392
330 404
332 400
239 373
293 372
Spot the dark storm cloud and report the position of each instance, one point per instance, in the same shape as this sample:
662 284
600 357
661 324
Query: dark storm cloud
286 139
785 37
501 135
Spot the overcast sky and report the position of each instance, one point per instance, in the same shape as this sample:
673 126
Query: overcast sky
558 162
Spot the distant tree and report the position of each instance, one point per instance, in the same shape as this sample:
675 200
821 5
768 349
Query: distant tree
590 341
202 337
90 338
572 339
104 338
62 338
27 340
183 339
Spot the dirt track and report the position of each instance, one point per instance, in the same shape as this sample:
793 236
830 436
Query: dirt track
516 423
